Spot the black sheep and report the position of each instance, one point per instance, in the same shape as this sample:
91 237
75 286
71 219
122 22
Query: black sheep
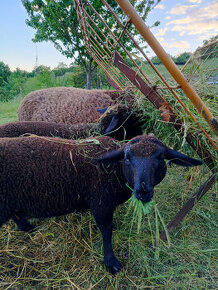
117 121
50 129
43 177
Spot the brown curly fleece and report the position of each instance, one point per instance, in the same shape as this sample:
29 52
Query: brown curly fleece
144 145
44 176
41 128
65 105
68 131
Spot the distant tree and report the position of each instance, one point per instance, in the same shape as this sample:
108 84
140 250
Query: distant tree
56 21
61 69
155 60
39 69
212 50
11 83
182 58
4 73
61 64
21 73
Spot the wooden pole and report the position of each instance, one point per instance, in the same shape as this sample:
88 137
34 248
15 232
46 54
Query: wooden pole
168 63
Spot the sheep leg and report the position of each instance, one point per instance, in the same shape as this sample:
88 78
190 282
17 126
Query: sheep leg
104 222
3 218
22 223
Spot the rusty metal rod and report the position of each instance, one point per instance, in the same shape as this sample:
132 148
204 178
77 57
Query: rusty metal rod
106 67
189 205
109 64
159 75
81 12
104 47
110 68
120 63
115 38
168 63
100 31
157 100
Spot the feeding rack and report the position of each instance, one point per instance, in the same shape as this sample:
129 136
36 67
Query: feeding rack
131 72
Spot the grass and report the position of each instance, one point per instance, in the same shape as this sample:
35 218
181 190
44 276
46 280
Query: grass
152 120
8 111
66 252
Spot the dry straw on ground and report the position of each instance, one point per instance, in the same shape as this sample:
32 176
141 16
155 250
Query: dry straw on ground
66 252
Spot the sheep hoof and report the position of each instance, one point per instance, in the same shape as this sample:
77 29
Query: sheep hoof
114 227
114 266
26 228
22 223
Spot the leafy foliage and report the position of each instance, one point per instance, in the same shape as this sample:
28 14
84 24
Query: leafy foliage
155 60
182 58
11 82
212 50
4 73
21 82
56 21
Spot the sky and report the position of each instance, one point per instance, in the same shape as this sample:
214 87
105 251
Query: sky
184 26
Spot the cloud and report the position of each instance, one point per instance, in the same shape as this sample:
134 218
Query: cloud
160 6
195 1
185 20
196 28
187 25
177 44
160 39
210 11
195 11
206 35
180 46
181 9
161 31
198 20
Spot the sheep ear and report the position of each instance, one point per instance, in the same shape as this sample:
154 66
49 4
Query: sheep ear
181 159
112 156
113 124
102 111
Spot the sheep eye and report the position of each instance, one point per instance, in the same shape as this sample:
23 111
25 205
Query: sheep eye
127 160
136 140
161 156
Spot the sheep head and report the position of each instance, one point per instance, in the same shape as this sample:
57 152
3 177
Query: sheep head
143 163
119 122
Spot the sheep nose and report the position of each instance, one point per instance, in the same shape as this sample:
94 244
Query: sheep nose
144 196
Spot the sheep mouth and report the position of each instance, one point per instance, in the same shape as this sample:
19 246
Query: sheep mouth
144 197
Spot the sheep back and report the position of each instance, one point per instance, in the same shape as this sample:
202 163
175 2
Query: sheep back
41 128
43 177
63 105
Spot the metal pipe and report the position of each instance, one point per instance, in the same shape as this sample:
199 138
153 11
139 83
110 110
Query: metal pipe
168 63
189 205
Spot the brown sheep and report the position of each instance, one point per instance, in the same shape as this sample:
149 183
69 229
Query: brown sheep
44 177
40 128
117 121
65 105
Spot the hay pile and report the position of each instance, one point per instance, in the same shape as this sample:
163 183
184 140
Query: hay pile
66 252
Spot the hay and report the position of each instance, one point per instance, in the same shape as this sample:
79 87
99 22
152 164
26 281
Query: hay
66 252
